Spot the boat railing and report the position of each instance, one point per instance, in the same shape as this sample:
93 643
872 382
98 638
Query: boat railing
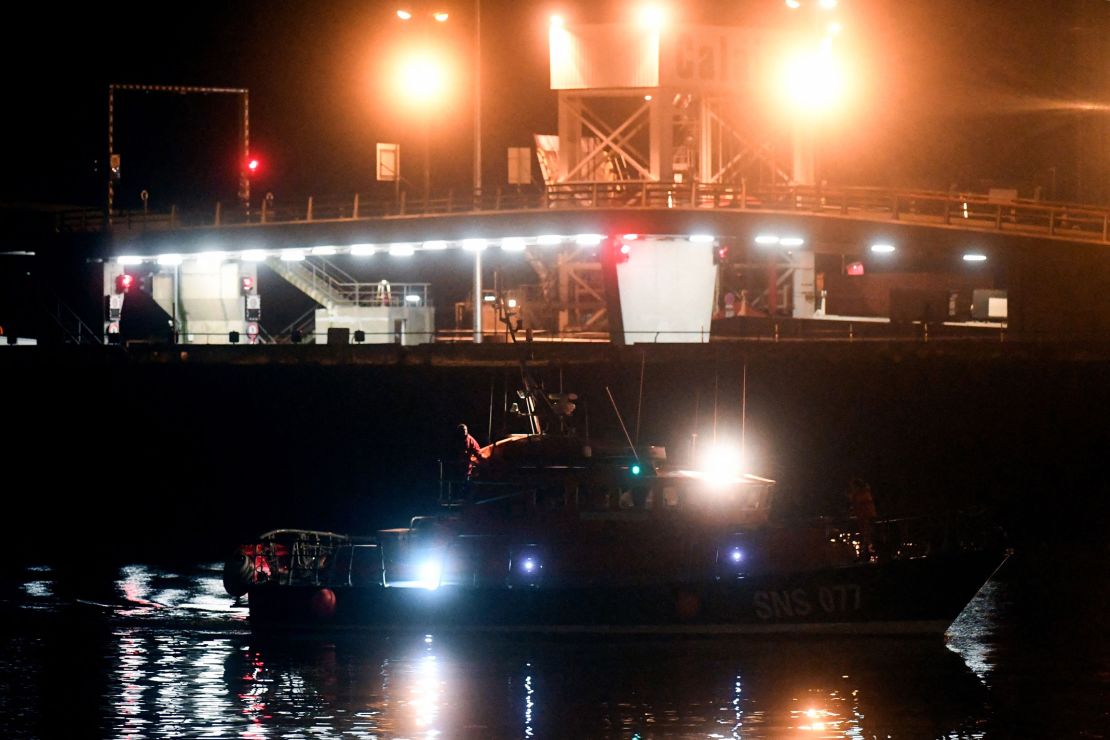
931 534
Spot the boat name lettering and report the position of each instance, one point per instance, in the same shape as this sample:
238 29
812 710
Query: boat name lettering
800 602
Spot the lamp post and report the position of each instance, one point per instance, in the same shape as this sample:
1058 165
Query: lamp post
423 83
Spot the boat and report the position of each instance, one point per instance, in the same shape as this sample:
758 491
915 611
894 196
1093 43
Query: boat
559 533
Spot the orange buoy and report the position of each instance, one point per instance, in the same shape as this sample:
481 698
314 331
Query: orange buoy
323 603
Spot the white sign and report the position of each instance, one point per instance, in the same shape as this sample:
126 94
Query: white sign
389 162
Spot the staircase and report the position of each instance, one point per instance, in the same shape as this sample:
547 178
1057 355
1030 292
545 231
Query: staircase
325 283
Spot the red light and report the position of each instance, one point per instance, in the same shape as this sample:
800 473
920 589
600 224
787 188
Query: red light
248 284
124 282
854 268
252 165
626 250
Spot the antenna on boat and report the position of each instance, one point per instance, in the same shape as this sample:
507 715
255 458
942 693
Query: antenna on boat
640 401
716 377
623 427
744 411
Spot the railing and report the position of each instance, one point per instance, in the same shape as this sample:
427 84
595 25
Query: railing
977 212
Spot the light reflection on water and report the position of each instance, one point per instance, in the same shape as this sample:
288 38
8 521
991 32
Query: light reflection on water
166 654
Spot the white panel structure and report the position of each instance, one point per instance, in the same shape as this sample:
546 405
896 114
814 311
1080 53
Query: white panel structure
406 325
666 291
607 56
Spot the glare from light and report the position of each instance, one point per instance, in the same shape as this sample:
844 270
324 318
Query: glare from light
625 249
557 21
323 251
793 4
489 298
630 237
828 4
529 565
588 240
652 16
722 463
436 245
635 469
169 260
412 298
647 98
404 15
423 78
292 255
736 554
401 250
813 80
702 238
363 250
792 241
513 244
129 260
210 258
975 257
254 255
429 573
549 240
766 239
441 17
512 303
835 28
474 245
882 248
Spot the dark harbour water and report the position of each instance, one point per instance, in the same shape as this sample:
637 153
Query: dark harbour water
151 652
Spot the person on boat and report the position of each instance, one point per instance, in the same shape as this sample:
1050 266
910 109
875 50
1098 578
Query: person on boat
470 452
861 507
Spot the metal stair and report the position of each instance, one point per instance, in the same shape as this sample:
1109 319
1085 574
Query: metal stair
323 282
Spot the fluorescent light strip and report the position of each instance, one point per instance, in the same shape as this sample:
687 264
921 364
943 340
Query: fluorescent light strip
363 250
513 244
401 250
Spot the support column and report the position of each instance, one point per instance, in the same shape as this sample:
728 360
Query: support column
478 296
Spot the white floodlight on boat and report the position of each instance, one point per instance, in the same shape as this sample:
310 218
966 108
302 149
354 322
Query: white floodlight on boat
323 251
401 250
975 257
513 244
722 464
169 260
429 573
254 255
129 259
363 250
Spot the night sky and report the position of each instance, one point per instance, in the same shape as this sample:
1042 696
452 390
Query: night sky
1002 93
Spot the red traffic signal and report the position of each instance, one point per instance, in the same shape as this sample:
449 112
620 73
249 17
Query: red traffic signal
720 254
623 252
124 282
247 285
252 166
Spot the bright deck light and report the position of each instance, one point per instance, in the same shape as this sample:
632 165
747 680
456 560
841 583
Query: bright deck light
766 239
292 255
210 258
169 260
254 255
702 238
513 244
363 250
588 240
129 260
323 251
429 573
975 257
722 464
404 15
549 240
441 17
436 245
792 241
401 250
474 245
882 248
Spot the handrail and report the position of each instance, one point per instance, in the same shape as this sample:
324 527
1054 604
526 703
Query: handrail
974 211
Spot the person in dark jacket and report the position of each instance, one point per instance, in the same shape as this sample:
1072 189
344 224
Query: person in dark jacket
470 452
